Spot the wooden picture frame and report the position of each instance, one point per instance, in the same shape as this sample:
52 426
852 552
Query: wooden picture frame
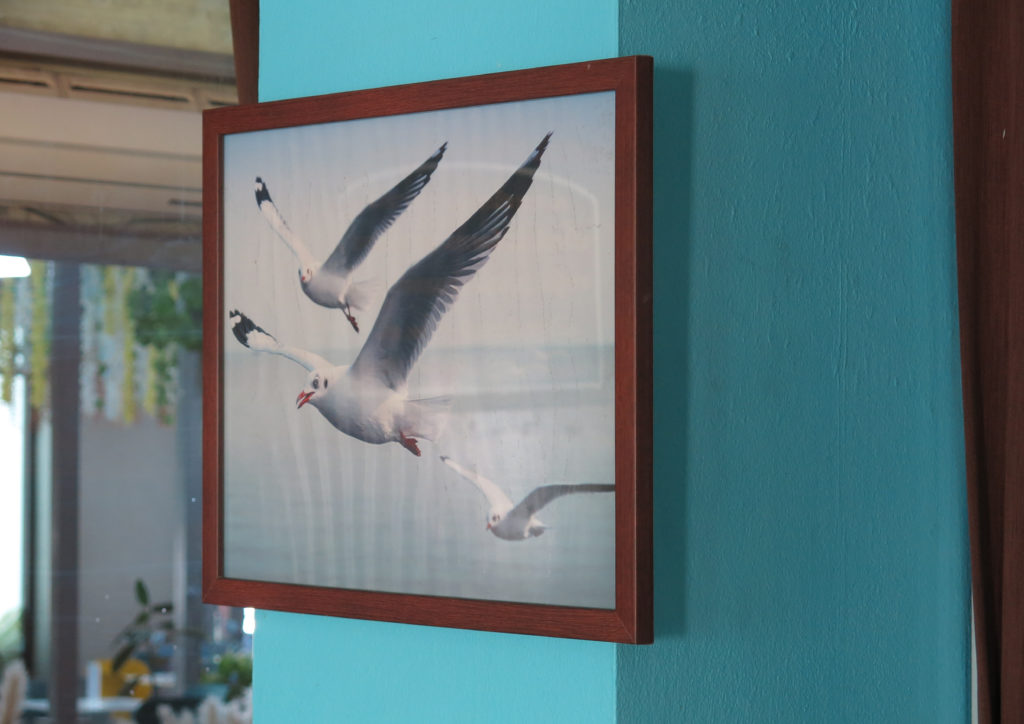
539 370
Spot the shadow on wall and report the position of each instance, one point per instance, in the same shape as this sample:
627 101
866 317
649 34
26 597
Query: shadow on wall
673 202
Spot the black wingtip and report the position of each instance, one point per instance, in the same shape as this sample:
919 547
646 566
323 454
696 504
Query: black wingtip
539 150
520 181
243 326
445 458
533 161
261 191
430 165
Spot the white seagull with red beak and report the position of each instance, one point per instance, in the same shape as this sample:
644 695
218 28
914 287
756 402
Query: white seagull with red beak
329 284
368 400
519 522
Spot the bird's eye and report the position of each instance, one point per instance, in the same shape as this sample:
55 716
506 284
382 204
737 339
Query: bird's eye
325 383
316 383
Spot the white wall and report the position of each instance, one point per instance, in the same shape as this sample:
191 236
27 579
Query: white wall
130 516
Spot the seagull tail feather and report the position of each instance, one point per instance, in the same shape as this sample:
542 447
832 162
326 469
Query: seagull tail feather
427 417
360 294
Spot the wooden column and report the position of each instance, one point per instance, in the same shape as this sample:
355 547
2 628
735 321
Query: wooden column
65 352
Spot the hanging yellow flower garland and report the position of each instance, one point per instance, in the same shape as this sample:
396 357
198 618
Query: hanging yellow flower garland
7 350
124 310
39 336
149 396
128 345
110 317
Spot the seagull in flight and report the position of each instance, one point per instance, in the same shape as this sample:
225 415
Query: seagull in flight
329 284
368 400
519 522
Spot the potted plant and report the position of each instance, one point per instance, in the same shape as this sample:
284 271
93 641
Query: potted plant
139 646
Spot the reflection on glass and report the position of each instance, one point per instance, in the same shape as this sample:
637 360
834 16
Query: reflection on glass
11 527
142 629
106 169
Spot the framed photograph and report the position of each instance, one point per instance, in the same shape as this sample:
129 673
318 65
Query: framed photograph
427 353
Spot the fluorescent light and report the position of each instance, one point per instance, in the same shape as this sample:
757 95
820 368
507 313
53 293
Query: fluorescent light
14 266
249 621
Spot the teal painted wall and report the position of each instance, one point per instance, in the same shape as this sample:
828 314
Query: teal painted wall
810 522
313 669
309 47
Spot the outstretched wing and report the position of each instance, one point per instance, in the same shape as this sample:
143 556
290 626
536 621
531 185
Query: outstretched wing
269 210
415 303
543 495
378 216
496 497
259 340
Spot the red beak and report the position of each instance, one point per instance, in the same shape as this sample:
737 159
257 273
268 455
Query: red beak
302 399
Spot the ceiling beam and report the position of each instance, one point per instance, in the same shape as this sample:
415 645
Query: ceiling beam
177 62
90 245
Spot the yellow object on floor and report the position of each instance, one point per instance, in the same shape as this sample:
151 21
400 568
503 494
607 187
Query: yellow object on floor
132 679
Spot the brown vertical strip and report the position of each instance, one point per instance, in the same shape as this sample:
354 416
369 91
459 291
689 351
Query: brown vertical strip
64 362
245 34
29 540
988 89
190 457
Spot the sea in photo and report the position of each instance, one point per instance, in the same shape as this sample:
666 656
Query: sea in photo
316 507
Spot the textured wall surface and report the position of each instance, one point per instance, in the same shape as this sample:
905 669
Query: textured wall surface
309 47
810 525
810 521
327 670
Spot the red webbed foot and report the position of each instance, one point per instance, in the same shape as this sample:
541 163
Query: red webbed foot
409 443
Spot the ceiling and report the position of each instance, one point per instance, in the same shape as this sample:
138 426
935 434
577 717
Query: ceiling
100 138
199 25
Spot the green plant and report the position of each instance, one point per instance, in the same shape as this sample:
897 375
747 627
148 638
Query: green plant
11 642
168 311
166 315
151 625
233 670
